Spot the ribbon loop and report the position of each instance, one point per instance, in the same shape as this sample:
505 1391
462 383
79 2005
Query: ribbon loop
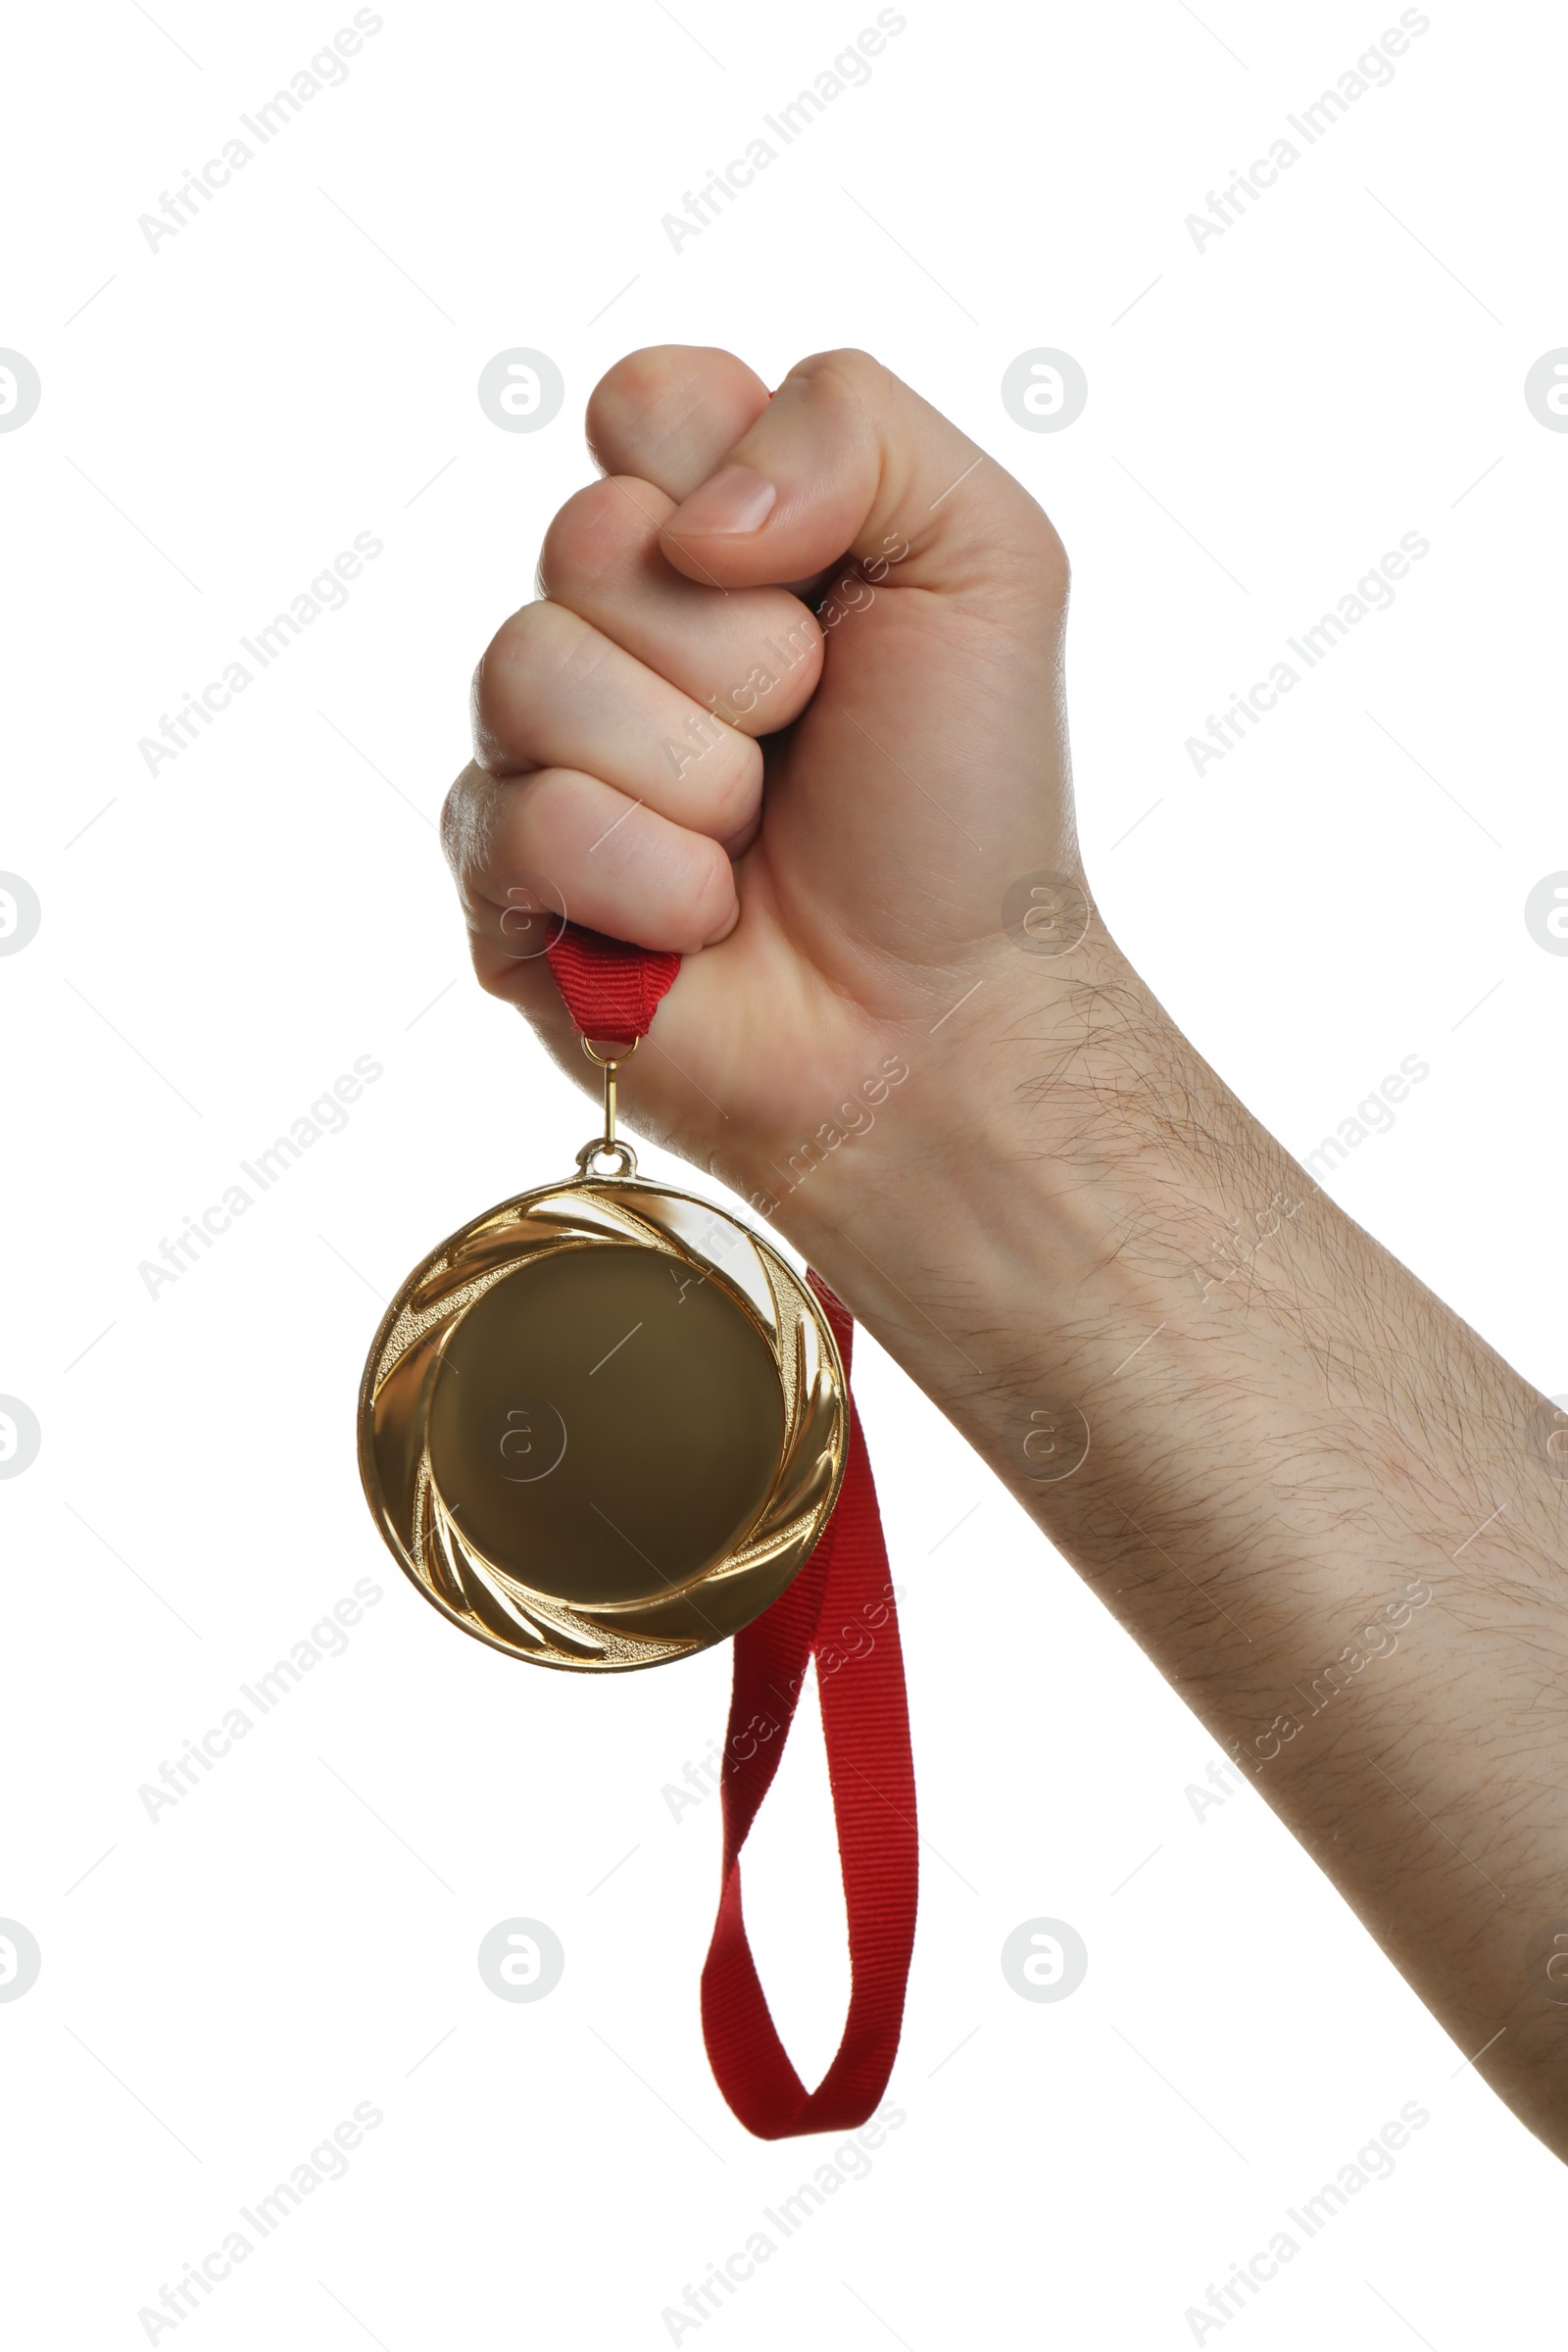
839 1615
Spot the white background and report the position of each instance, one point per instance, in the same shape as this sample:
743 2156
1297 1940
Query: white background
219 939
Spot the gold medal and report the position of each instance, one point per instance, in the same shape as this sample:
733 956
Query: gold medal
604 1424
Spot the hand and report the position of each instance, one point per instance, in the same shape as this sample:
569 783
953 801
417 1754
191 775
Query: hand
823 814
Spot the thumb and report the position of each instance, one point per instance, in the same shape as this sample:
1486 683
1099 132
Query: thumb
847 461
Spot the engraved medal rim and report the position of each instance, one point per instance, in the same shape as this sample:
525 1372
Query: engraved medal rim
832 1367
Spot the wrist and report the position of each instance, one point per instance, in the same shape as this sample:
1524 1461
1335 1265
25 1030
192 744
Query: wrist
994 1151
1059 1181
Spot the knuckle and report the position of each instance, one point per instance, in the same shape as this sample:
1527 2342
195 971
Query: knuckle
635 379
535 661
531 646
592 536
737 786
711 892
467 826
849 372
636 397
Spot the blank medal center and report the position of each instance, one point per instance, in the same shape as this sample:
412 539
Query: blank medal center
606 1422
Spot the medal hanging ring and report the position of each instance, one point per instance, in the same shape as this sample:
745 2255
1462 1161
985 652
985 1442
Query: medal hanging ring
607 1145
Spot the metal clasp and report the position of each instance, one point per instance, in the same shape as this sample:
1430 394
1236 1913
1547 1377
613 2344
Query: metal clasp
607 1146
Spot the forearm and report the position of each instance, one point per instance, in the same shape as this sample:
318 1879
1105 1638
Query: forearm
1314 1497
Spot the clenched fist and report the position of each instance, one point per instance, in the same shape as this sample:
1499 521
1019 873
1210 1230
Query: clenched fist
791 704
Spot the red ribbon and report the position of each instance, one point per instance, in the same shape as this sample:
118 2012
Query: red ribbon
838 1613
612 990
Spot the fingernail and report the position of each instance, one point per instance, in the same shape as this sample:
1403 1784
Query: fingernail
736 499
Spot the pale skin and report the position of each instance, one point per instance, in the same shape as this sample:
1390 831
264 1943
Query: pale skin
1061 1210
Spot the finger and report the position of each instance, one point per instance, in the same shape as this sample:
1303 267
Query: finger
576 843
552 691
667 414
846 460
752 655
